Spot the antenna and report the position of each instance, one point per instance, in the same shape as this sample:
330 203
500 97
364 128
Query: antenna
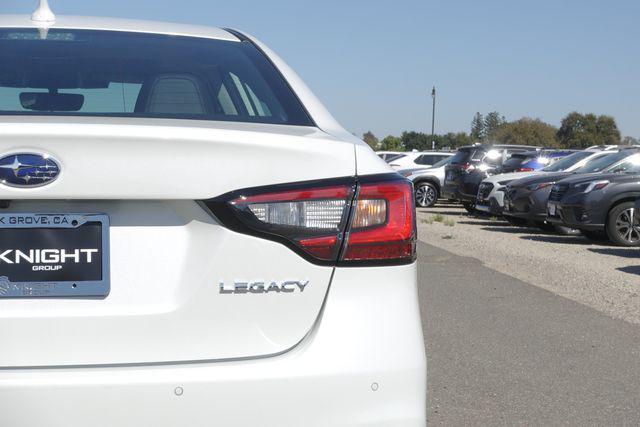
43 13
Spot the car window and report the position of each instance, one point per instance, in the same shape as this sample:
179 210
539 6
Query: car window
568 161
462 156
427 159
443 162
630 165
391 157
109 73
601 163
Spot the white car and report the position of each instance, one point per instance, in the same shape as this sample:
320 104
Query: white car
428 183
491 190
417 159
147 279
387 156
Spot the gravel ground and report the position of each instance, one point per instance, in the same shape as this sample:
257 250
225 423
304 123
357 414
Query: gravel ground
599 275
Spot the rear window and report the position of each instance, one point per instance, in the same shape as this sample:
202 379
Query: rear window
102 73
391 157
516 160
464 155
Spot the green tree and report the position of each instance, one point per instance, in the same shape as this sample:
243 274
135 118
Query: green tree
371 140
526 131
629 140
416 141
492 123
584 130
608 132
453 140
477 128
391 143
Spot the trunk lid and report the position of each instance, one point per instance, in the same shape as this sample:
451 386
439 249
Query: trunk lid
167 255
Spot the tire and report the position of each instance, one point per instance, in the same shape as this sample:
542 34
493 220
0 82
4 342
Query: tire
469 206
426 195
566 231
623 225
596 236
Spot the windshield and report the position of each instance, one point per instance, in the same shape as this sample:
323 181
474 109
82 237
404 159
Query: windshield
443 162
102 73
601 163
568 161
630 165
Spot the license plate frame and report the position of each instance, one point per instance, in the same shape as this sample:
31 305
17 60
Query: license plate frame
97 286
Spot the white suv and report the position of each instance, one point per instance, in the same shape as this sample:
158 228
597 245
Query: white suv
417 159
148 279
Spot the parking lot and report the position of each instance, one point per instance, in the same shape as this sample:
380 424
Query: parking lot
524 325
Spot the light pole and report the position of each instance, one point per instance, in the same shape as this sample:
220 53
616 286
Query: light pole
433 119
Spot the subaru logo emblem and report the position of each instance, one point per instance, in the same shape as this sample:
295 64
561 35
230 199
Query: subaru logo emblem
28 170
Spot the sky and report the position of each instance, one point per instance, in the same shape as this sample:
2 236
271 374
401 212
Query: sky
373 62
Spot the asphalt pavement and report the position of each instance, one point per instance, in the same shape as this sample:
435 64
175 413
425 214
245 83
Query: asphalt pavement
503 352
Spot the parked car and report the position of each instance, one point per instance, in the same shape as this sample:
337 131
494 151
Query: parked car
428 183
470 165
492 189
531 161
388 156
417 159
141 268
601 204
525 200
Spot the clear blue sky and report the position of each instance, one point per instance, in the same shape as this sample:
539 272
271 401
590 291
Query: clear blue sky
373 62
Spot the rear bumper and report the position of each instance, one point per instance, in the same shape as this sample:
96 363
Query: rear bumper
362 365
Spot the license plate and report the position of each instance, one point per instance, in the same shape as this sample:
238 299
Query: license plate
54 255
552 209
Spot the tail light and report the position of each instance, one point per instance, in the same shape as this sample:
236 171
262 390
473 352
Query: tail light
345 222
525 170
467 167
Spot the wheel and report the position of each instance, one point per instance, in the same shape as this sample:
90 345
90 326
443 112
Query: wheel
469 206
426 195
623 225
597 236
516 222
566 231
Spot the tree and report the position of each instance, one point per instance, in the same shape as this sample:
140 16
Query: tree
629 140
492 123
526 131
416 141
608 132
477 128
371 140
453 140
391 143
584 130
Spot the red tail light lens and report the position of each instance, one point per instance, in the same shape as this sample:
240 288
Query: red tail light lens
525 170
345 222
383 225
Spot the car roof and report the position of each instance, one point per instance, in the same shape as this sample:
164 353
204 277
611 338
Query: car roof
117 24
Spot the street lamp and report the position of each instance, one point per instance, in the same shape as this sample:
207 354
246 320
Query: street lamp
433 119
